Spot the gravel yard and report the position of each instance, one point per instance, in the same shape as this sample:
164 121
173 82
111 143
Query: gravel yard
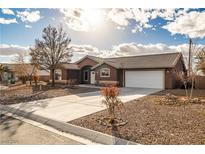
151 122
23 93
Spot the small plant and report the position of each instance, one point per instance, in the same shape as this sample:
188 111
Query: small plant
112 102
36 79
188 82
171 97
72 83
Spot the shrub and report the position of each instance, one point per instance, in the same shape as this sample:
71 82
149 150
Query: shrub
111 101
36 79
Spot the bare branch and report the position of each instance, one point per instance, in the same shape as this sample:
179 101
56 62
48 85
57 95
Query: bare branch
52 50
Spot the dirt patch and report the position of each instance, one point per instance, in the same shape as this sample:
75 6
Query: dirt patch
24 93
152 123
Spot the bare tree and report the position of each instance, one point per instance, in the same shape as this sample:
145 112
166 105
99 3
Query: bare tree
200 56
22 69
188 80
36 74
53 49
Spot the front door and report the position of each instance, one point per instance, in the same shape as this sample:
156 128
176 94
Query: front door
85 76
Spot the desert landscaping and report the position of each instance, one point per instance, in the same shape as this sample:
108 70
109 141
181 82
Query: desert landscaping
153 120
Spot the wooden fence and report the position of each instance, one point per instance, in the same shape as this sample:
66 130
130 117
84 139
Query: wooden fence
200 82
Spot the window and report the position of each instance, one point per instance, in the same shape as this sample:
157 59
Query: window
105 72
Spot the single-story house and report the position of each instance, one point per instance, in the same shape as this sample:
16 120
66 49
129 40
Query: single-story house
44 75
12 75
145 71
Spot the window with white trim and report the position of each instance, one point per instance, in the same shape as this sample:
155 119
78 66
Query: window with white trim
104 72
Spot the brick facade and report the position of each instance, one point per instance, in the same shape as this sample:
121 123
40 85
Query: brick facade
113 79
200 82
117 76
171 77
86 62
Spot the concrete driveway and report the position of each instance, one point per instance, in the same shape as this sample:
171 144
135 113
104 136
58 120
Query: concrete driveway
3 87
71 107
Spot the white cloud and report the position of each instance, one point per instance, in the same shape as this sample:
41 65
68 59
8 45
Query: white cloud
83 19
28 26
128 49
7 59
190 24
120 28
73 19
7 11
120 16
7 50
132 49
167 14
7 21
85 49
29 16
80 19
137 29
154 28
80 51
142 17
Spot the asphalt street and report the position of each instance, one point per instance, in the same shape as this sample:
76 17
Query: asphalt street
13 131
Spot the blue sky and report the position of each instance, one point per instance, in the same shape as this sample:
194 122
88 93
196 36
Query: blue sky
104 32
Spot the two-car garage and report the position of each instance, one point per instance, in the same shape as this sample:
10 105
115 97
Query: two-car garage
145 78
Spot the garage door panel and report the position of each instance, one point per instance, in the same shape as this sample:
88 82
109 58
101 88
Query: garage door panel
145 79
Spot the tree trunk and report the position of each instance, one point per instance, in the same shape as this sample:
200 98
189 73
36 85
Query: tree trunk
36 83
53 77
192 86
30 79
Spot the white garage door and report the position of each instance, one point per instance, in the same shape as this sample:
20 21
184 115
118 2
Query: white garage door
145 79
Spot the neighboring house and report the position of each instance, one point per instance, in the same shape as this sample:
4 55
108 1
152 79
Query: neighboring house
44 75
5 76
12 75
145 71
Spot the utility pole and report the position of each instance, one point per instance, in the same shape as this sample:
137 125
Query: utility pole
190 55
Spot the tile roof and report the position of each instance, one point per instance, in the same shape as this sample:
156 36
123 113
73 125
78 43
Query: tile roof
43 73
70 66
166 60
97 59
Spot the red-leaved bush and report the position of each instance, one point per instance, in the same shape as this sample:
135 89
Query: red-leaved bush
111 100
110 92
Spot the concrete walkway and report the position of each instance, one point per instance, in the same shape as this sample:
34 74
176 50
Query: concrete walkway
71 107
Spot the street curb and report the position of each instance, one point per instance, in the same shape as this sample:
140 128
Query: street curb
92 135
51 129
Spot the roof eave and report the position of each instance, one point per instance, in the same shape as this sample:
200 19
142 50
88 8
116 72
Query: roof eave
77 62
98 65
